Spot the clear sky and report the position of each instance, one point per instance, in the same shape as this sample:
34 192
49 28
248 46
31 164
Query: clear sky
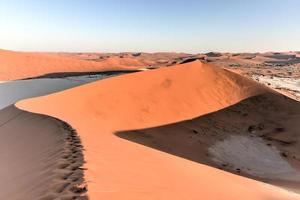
150 25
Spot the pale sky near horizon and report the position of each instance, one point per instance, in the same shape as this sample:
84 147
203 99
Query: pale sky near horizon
150 25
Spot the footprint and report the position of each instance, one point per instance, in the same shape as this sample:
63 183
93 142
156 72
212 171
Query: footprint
59 187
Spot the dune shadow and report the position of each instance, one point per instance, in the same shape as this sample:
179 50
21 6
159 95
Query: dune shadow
90 73
13 91
271 118
42 157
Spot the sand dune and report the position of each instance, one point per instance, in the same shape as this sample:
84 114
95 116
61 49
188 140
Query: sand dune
121 169
159 59
20 65
35 157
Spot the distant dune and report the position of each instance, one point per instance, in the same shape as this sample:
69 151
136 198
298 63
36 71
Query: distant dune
21 65
122 169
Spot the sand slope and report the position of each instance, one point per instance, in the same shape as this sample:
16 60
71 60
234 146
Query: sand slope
35 157
257 138
20 65
120 169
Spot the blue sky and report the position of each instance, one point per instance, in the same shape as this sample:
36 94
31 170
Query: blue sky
152 25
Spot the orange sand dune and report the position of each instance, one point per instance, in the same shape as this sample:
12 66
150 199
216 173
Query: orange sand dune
20 65
124 62
120 169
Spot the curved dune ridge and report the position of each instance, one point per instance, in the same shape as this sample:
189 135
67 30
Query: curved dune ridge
122 169
21 65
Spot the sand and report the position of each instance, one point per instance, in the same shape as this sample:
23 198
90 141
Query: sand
21 65
256 138
254 156
36 162
123 169
158 59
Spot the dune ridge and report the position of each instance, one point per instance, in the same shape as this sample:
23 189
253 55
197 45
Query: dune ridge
117 168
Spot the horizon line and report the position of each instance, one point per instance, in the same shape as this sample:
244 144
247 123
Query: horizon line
152 52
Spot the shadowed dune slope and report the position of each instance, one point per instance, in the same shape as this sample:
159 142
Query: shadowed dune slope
33 156
117 168
21 65
261 124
